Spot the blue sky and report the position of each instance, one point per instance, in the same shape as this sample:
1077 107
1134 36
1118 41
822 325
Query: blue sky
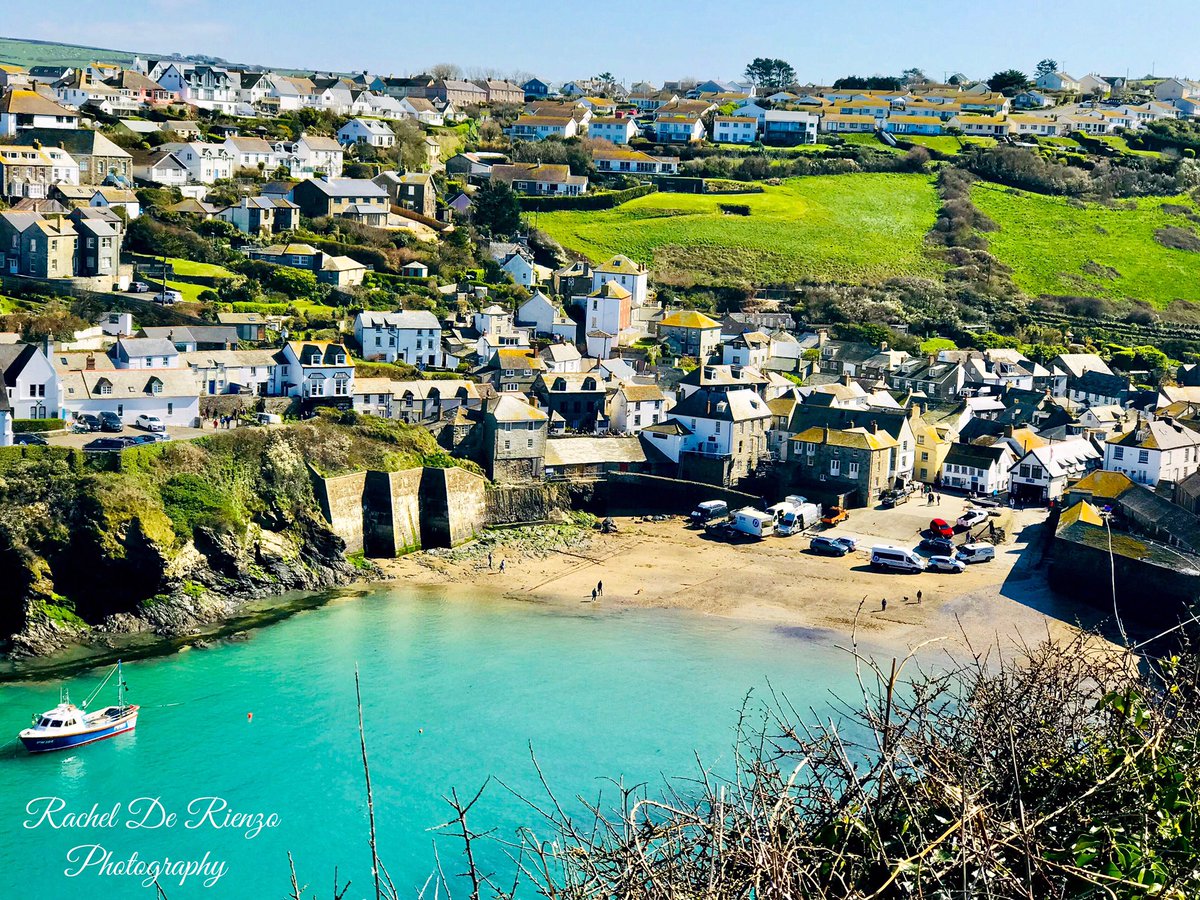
641 39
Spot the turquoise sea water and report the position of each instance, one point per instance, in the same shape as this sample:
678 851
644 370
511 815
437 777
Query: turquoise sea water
454 690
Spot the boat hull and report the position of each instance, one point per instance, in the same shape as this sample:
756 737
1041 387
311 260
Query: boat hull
46 743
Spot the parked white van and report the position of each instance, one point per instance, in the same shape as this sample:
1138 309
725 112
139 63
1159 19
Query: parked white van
897 558
975 553
753 522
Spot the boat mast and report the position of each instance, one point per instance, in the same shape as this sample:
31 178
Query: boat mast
120 687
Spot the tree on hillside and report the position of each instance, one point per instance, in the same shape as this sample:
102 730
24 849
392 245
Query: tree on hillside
773 74
1047 67
873 83
445 71
496 209
914 76
1010 82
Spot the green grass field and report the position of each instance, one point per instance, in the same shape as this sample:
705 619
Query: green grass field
189 269
855 228
42 53
1055 247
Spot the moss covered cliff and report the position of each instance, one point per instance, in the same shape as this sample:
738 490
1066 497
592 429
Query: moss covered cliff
170 535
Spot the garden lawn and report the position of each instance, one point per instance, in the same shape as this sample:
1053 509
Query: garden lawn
943 143
1055 247
847 228
190 269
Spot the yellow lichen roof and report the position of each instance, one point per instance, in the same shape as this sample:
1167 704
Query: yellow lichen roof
846 117
854 438
621 265
1103 483
689 318
1081 512
613 290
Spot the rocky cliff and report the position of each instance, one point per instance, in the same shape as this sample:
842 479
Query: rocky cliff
169 536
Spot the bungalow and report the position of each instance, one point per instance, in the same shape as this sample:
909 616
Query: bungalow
313 369
634 162
909 124
851 122
980 126
422 110
538 128
250 326
375 132
539 178
1037 126
618 131
340 271
188 338
735 129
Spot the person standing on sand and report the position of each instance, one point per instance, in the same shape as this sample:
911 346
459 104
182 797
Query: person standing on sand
600 588
593 595
489 559
501 567
918 598
883 605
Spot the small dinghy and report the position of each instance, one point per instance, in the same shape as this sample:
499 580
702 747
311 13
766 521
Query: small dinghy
68 725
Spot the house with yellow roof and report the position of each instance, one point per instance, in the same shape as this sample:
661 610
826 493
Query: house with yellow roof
839 122
22 109
625 160
608 128
735 129
600 106
847 465
906 124
633 277
980 126
690 333
1038 126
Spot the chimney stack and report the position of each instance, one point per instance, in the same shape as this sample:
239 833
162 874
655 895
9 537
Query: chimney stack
90 363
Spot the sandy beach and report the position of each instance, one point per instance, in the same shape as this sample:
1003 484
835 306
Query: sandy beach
671 565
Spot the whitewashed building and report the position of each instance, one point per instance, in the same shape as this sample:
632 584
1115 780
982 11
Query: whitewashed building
411 336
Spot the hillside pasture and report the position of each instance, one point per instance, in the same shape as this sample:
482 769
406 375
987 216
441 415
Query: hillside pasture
844 228
1126 251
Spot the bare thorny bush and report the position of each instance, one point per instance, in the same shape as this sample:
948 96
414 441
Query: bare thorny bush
1060 771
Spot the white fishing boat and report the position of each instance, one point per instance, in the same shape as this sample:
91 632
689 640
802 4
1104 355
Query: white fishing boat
68 725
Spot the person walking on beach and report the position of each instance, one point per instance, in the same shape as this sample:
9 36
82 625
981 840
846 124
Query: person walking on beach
489 559
501 567
918 598
883 605
600 588
593 595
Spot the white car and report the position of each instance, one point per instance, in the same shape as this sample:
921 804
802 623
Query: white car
946 564
150 423
971 518
168 297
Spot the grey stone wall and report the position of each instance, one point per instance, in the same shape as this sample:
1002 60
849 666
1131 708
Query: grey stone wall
341 502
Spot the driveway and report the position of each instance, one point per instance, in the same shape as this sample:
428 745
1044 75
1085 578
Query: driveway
177 433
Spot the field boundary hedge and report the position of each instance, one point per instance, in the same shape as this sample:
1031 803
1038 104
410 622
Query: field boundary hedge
604 200
26 426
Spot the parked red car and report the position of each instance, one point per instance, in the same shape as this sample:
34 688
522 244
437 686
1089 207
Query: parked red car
941 528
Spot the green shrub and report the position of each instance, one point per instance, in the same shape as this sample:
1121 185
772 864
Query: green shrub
598 200
25 426
192 501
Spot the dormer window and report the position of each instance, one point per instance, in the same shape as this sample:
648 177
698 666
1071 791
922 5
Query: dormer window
156 386
104 387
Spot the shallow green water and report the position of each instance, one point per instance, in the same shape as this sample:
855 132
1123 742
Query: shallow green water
455 690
